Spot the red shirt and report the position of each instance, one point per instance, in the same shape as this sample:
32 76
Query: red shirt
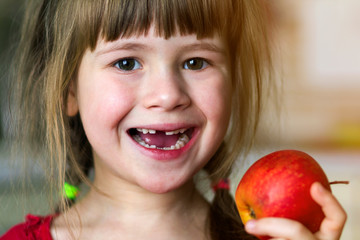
34 228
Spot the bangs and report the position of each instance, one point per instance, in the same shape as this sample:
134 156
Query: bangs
125 18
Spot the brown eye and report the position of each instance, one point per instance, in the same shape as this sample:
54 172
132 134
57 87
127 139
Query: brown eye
127 64
195 64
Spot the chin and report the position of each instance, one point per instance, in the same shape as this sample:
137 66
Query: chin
158 188
162 185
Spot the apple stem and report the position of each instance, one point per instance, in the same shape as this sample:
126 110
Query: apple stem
339 182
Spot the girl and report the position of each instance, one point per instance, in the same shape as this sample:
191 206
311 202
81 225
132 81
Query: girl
146 93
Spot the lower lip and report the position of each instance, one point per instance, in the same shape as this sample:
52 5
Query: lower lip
167 155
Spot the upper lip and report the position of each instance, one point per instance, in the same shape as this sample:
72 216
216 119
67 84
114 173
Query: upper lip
165 127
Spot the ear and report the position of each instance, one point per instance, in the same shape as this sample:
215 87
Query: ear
72 107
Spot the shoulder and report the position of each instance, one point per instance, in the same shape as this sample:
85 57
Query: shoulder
34 228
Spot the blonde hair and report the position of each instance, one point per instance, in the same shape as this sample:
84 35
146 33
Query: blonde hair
55 35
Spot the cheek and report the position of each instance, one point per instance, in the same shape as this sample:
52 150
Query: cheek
103 104
215 102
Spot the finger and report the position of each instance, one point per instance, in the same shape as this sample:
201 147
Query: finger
279 228
335 215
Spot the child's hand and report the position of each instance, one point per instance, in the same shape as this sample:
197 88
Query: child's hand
280 228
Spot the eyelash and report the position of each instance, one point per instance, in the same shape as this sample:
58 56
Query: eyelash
131 64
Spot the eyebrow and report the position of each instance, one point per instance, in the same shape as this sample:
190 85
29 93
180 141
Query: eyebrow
205 46
126 46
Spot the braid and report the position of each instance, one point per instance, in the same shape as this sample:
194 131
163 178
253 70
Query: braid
224 220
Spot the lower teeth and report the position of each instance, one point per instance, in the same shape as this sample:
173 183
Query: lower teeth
181 142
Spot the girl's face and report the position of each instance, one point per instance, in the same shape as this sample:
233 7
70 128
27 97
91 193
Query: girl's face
154 110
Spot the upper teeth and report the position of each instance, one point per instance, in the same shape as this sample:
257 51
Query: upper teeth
152 131
181 142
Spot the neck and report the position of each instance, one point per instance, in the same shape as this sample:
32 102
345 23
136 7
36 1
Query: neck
175 213
130 199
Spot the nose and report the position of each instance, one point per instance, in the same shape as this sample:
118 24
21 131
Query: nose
165 91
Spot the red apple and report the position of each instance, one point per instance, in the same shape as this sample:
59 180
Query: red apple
278 185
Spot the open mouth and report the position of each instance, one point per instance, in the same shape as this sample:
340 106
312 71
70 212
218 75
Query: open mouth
163 140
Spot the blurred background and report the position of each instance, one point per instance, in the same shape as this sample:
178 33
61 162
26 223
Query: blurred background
317 47
317 50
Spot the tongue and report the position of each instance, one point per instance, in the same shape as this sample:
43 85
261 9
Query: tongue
159 139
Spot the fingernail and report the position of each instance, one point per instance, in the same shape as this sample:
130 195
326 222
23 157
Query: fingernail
320 187
250 225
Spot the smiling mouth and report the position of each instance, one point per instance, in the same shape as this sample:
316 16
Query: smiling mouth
162 140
